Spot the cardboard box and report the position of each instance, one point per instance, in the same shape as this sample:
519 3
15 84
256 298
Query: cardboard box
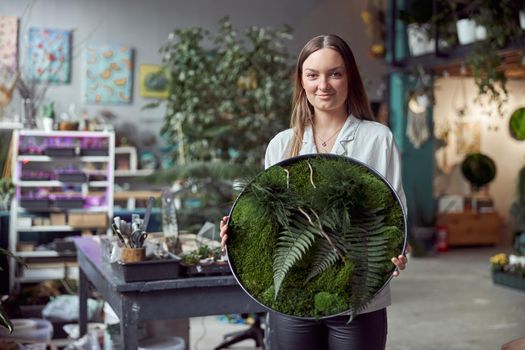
88 220
57 219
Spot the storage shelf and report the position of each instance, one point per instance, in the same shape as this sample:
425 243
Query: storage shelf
55 183
99 151
56 228
38 254
131 173
61 210
38 158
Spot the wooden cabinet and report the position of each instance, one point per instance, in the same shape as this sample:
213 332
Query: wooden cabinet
470 228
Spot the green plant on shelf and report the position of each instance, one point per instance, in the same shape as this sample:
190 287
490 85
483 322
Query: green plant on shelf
202 253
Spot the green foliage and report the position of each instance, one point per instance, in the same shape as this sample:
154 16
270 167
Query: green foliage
478 169
4 318
309 227
328 304
500 19
228 94
517 124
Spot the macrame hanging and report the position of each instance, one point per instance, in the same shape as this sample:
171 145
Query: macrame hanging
417 127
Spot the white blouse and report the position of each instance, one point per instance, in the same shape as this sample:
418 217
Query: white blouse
367 141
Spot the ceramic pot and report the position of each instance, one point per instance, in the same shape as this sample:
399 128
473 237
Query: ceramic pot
466 31
130 255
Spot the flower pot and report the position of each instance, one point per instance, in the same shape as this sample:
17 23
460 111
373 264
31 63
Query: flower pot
508 279
481 32
466 28
419 42
130 255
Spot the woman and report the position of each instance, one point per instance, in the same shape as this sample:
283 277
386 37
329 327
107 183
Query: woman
331 114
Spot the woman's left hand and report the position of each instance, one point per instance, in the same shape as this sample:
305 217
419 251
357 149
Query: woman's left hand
400 262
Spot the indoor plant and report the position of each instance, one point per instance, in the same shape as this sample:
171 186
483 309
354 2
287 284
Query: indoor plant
501 24
238 86
517 210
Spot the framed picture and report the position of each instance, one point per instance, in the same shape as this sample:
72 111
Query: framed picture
153 81
108 74
49 54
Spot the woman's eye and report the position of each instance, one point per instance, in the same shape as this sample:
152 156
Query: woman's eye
311 75
337 74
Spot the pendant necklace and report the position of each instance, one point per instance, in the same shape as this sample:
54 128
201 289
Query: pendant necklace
323 142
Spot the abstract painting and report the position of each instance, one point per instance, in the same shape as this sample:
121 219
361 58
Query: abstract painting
153 81
9 41
49 55
108 75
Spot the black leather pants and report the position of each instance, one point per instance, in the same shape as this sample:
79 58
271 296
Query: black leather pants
366 332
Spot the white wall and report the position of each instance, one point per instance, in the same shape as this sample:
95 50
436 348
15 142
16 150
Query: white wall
495 139
145 25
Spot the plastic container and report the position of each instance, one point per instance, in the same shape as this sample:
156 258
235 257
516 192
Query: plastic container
31 329
165 343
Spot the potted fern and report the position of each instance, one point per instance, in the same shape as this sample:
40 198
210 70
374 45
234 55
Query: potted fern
312 236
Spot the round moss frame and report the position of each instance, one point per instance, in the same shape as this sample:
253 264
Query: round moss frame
313 236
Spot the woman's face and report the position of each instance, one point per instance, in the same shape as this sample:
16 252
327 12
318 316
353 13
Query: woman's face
325 81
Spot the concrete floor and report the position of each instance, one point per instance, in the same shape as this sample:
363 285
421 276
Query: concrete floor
446 301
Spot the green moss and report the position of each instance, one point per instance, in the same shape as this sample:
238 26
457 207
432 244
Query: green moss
339 185
328 304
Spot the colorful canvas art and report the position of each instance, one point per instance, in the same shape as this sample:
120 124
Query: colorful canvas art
153 81
49 56
9 41
108 78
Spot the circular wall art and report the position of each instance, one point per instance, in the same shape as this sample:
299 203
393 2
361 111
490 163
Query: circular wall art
517 124
313 236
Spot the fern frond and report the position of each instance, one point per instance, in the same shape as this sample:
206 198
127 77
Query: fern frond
324 258
292 244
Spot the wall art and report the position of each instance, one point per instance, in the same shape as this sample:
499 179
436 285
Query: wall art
49 55
108 74
153 81
9 41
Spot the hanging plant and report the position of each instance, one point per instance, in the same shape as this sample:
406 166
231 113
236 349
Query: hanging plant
313 236
517 124
478 169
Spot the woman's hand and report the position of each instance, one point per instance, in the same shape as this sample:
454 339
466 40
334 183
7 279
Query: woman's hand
223 231
401 261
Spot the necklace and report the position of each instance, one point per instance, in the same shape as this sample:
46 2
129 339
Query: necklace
323 142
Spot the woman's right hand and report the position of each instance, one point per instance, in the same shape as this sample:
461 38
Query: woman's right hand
224 231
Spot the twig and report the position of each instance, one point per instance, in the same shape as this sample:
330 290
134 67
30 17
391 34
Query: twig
311 174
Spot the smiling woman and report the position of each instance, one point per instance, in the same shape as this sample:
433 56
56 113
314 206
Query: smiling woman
331 114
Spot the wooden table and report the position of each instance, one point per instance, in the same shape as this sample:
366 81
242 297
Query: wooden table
155 300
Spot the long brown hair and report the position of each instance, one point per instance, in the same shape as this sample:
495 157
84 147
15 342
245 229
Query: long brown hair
302 111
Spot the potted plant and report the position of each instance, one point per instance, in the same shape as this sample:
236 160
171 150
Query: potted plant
204 261
418 16
4 318
501 28
508 270
238 86
479 170
517 210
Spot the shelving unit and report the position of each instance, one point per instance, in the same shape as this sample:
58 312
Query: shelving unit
126 160
63 184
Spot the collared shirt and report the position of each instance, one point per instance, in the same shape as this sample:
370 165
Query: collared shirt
367 141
